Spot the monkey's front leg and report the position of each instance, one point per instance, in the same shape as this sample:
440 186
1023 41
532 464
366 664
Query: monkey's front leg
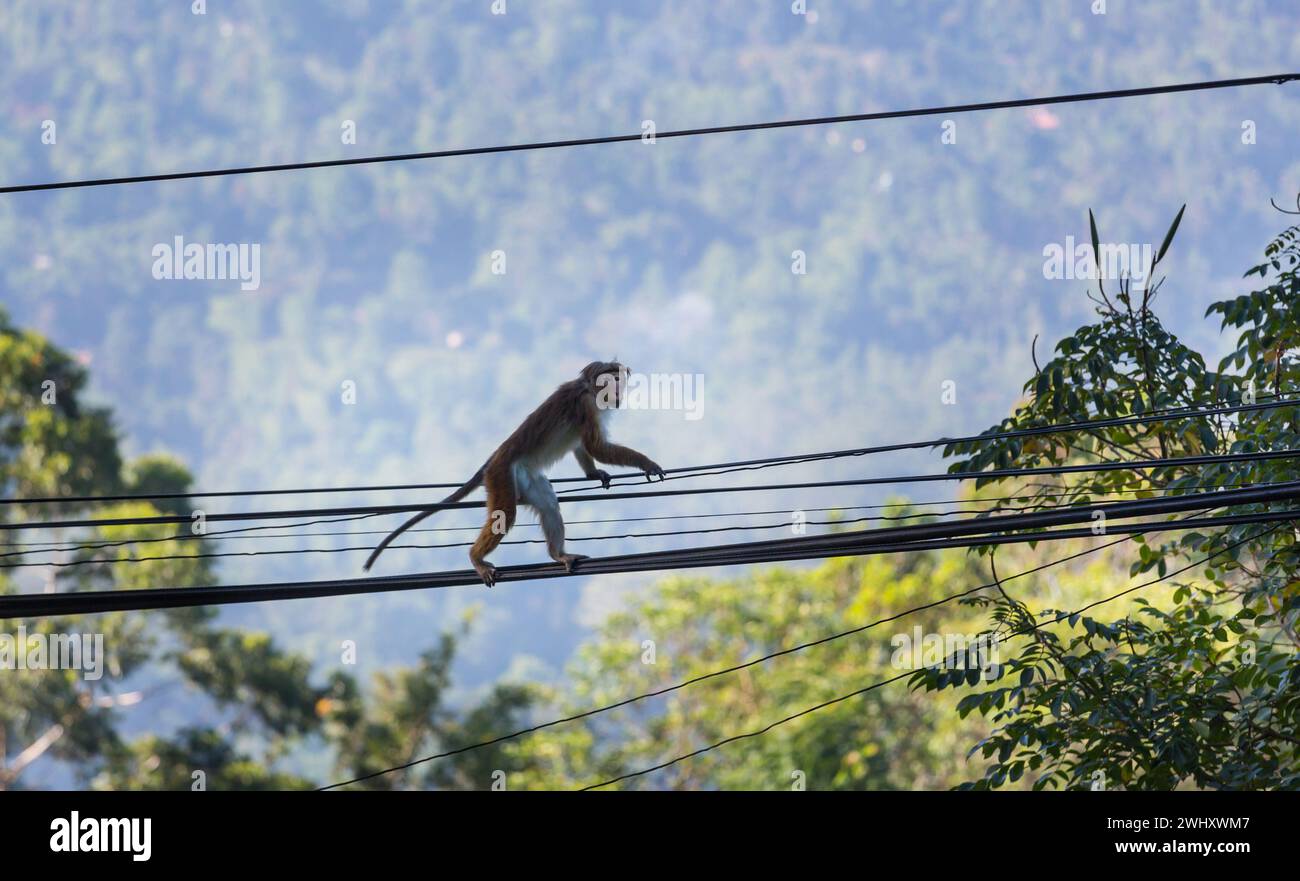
596 447
589 468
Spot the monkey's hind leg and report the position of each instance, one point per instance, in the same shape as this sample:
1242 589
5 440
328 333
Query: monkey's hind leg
540 495
501 509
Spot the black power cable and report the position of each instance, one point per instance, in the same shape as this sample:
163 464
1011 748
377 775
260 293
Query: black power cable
785 524
1010 434
1131 465
1277 79
1158 415
44 547
257 532
962 534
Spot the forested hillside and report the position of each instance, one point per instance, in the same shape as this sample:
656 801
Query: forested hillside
924 257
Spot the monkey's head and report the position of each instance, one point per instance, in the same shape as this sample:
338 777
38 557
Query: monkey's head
607 379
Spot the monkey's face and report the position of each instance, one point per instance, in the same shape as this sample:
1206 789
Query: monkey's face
609 379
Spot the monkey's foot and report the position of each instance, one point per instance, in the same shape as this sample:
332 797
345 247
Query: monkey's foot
487 572
569 559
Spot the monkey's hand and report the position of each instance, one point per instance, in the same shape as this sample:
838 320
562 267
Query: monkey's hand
602 476
652 471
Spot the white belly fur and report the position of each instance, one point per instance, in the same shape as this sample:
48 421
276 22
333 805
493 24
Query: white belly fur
529 472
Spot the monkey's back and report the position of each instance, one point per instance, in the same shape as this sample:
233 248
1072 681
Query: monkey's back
549 432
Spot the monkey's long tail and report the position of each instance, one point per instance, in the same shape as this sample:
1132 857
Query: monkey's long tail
468 487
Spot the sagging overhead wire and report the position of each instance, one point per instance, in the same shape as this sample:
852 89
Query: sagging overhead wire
1076 496
1091 467
668 689
1262 402
960 534
783 524
1153 416
1024 631
1276 79
239 534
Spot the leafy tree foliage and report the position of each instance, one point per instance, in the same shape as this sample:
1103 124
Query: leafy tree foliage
1198 688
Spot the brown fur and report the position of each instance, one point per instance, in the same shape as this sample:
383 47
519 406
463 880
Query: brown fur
571 412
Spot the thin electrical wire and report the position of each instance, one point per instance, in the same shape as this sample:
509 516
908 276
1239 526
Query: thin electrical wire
1094 467
532 541
1261 403
58 547
852 543
55 546
1078 97
785 524
1080 494
181 536
1056 428
881 683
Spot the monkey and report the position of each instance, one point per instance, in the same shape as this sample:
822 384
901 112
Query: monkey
572 420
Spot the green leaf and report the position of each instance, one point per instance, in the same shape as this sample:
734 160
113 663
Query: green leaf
1169 236
1096 247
